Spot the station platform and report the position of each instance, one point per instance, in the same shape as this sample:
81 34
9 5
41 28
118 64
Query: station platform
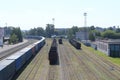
10 46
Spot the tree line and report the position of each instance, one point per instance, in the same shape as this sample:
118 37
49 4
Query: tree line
106 33
39 31
14 33
109 33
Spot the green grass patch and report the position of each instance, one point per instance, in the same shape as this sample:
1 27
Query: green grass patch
111 59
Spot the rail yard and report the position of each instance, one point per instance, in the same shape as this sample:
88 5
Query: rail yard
74 64
59 40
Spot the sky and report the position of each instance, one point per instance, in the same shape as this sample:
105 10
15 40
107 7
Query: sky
28 14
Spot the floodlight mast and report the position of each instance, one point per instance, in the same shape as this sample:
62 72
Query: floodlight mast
6 24
85 25
53 22
53 19
85 19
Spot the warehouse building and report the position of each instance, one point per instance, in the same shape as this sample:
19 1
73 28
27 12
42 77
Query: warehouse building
110 47
82 35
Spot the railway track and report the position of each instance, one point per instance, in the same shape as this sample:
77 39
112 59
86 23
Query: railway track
38 68
10 51
86 72
33 69
109 64
84 65
106 66
67 68
53 73
98 66
74 65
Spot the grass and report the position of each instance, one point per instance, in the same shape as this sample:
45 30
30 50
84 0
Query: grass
111 59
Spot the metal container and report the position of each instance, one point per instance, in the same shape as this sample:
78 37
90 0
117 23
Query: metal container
23 57
53 57
39 44
53 54
28 53
60 41
36 47
7 69
76 44
18 60
33 49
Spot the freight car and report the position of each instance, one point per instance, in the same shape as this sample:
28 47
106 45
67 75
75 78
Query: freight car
12 64
75 43
53 54
7 69
60 41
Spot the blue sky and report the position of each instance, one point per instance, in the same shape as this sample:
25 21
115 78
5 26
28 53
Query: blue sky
37 13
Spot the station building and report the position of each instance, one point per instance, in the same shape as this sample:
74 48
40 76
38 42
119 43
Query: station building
110 47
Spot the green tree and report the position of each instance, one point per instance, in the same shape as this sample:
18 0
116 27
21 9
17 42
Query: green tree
25 33
61 31
96 33
13 38
110 28
40 31
57 32
92 28
108 34
8 31
74 29
70 34
18 33
91 36
117 35
20 37
118 30
32 32
49 30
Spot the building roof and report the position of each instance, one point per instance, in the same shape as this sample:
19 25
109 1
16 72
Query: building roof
111 41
